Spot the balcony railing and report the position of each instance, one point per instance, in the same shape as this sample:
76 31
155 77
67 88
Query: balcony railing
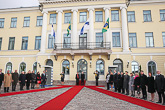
82 46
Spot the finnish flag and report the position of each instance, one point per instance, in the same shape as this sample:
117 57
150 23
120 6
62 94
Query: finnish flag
85 27
53 33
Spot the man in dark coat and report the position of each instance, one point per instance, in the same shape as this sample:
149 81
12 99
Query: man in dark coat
96 77
119 82
28 79
43 79
159 87
22 80
115 80
15 79
1 78
33 80
82 78
126 83
143 84
77 78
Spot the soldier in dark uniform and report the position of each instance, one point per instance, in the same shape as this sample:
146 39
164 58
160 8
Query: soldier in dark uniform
62 78
96 77
77 78
82 78
15 79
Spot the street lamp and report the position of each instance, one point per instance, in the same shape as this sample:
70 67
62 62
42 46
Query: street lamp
128 2
41 7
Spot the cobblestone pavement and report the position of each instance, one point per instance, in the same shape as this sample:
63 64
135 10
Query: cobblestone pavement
93 100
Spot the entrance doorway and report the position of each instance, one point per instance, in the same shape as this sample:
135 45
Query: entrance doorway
48 70
83 41
82 67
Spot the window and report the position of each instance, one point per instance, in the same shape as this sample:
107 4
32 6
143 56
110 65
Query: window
149 39
39 20
100 66
152 68
2 20
26 22
67 41
135 67
50 42
35 67
162 15
163 35
83 17
11 43
9 67
67 18
49 62
65 67
13 22
119 63
0 43
116 39
115 15
24 43
132 40
147 15
98 16
52 18
131 16
99 40
22 67
38 42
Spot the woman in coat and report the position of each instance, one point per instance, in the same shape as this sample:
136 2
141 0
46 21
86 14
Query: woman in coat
62 78
137 84
7 81
111 80
131 83
38 79
151 85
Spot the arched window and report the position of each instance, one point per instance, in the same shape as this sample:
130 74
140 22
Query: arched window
9 67
66 67
152 67
49 62
22 67
135 67
120 65
35 67
100 66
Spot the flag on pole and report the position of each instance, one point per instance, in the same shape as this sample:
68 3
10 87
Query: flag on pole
85 27
53 33
69 28
106 26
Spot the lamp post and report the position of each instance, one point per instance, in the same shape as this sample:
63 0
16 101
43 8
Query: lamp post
128 2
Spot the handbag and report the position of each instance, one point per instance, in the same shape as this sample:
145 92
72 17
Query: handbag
39 82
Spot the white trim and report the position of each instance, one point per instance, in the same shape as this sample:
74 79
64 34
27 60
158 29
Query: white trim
10 10
146 2
113 66
148 54
6 64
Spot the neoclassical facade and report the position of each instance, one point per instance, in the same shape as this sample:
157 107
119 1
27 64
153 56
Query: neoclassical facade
135 38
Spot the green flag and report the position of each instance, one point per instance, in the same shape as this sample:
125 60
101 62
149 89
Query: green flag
106 26
69 28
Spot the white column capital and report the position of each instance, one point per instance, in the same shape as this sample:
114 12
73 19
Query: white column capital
92 9
44 11
123 7
106 8
74 10
59 11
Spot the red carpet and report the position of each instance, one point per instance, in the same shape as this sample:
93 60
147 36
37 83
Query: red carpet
133 100
62 100
29 91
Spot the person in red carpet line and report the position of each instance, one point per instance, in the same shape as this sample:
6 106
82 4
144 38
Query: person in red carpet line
159 87
82 78
143 84
22 80
1 79
62 78
15 78
118 82
28 79
121 82
151 84
33 80
96 77
111 80
137 84
43 79
7 81
77 78
107 80
38 80
131 83
126 82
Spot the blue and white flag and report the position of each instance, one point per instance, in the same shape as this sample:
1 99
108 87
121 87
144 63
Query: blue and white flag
53 33
85 27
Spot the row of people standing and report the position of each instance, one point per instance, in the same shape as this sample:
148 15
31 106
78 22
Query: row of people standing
24 79
125 83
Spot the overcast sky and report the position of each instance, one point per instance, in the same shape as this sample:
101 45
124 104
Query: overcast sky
17 3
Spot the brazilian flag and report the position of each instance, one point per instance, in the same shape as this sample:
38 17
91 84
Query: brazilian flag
106 26
69 28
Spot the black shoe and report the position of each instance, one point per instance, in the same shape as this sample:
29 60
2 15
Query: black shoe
145 98
126 94
163 104
142 98
158 102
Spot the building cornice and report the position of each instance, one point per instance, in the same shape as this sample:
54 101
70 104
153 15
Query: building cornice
146 2
8 10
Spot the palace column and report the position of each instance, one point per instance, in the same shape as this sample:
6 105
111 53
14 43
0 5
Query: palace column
91 28
44 29
124 29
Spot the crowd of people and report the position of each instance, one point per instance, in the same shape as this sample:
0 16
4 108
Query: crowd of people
24 79
124 83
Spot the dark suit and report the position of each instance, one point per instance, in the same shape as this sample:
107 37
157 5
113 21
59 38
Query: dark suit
97 78
82 79
143 83
115 81
77 79
159 87
126 83
22 79
1 78
33 80
119 83
43 80
15 79
28 78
